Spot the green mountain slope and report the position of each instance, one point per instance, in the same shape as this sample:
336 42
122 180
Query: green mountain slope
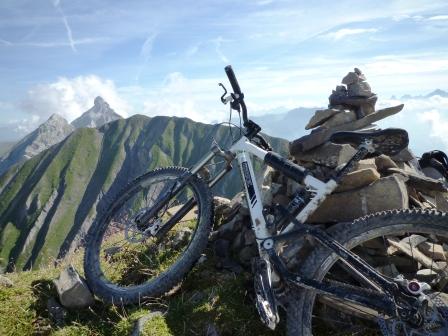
49 202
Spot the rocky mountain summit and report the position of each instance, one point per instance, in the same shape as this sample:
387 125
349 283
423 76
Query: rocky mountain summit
101 113
54 130
51 132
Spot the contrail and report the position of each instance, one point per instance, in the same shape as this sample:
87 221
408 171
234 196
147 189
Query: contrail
69 33
56 4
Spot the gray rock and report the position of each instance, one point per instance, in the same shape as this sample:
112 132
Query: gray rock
230 229
384 162
328 154
142 321
366 164
360 89
221 248
442 201
5 282
358 179
347 206
56 312
72 289
321 135
320 116
419 181
181 238
413 240
222 205
340 119
426 275
246 254
432 250
404 156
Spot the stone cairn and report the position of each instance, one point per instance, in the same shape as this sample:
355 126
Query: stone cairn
351 107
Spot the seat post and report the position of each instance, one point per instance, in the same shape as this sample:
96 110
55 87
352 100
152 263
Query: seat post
365 148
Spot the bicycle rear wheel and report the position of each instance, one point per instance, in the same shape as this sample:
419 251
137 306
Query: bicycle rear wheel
413 244
124 262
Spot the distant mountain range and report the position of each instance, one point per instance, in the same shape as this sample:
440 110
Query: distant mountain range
48 202
436 92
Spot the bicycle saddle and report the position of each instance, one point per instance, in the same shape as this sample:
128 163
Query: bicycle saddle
389 141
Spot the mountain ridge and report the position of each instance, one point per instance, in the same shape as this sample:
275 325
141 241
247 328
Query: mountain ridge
49 202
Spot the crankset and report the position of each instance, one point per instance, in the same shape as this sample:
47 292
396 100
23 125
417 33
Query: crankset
264 296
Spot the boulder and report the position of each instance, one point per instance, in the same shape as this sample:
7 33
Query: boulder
366 164
321 135
419 181
139 325
404 156
328 154
347 206
5 282
442 201
434 251
56 311
72 289
384 162
358 179
320 116
341 118
222 205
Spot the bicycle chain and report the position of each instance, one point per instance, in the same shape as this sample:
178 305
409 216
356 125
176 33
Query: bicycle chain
442 309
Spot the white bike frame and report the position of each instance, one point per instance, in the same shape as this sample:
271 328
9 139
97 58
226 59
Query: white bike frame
242 149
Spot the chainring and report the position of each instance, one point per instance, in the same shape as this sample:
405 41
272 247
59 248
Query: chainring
264 296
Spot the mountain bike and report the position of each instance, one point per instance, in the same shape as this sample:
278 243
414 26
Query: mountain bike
363 277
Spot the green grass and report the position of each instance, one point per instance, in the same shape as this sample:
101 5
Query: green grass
206 297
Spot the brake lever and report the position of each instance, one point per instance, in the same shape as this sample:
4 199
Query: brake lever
224 99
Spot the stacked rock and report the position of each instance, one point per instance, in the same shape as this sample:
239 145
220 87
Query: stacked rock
361 192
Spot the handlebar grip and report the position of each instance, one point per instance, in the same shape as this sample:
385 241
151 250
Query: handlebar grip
232 79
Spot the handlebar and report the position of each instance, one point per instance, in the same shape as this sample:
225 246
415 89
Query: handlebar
232 79
236 89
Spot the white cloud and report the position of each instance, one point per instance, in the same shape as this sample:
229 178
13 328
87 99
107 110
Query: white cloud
423 118
197 99
218 43
344 32
70 97
439 125
146 53
438 18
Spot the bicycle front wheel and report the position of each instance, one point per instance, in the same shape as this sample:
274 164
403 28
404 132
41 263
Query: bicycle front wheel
124 262
409 243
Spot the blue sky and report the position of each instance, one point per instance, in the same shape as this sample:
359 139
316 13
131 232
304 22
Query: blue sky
166 57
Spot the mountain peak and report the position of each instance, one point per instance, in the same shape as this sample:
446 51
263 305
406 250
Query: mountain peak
438 92
101 113
56 118
99 101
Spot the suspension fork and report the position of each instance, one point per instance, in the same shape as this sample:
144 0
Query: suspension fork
168 225
183 180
